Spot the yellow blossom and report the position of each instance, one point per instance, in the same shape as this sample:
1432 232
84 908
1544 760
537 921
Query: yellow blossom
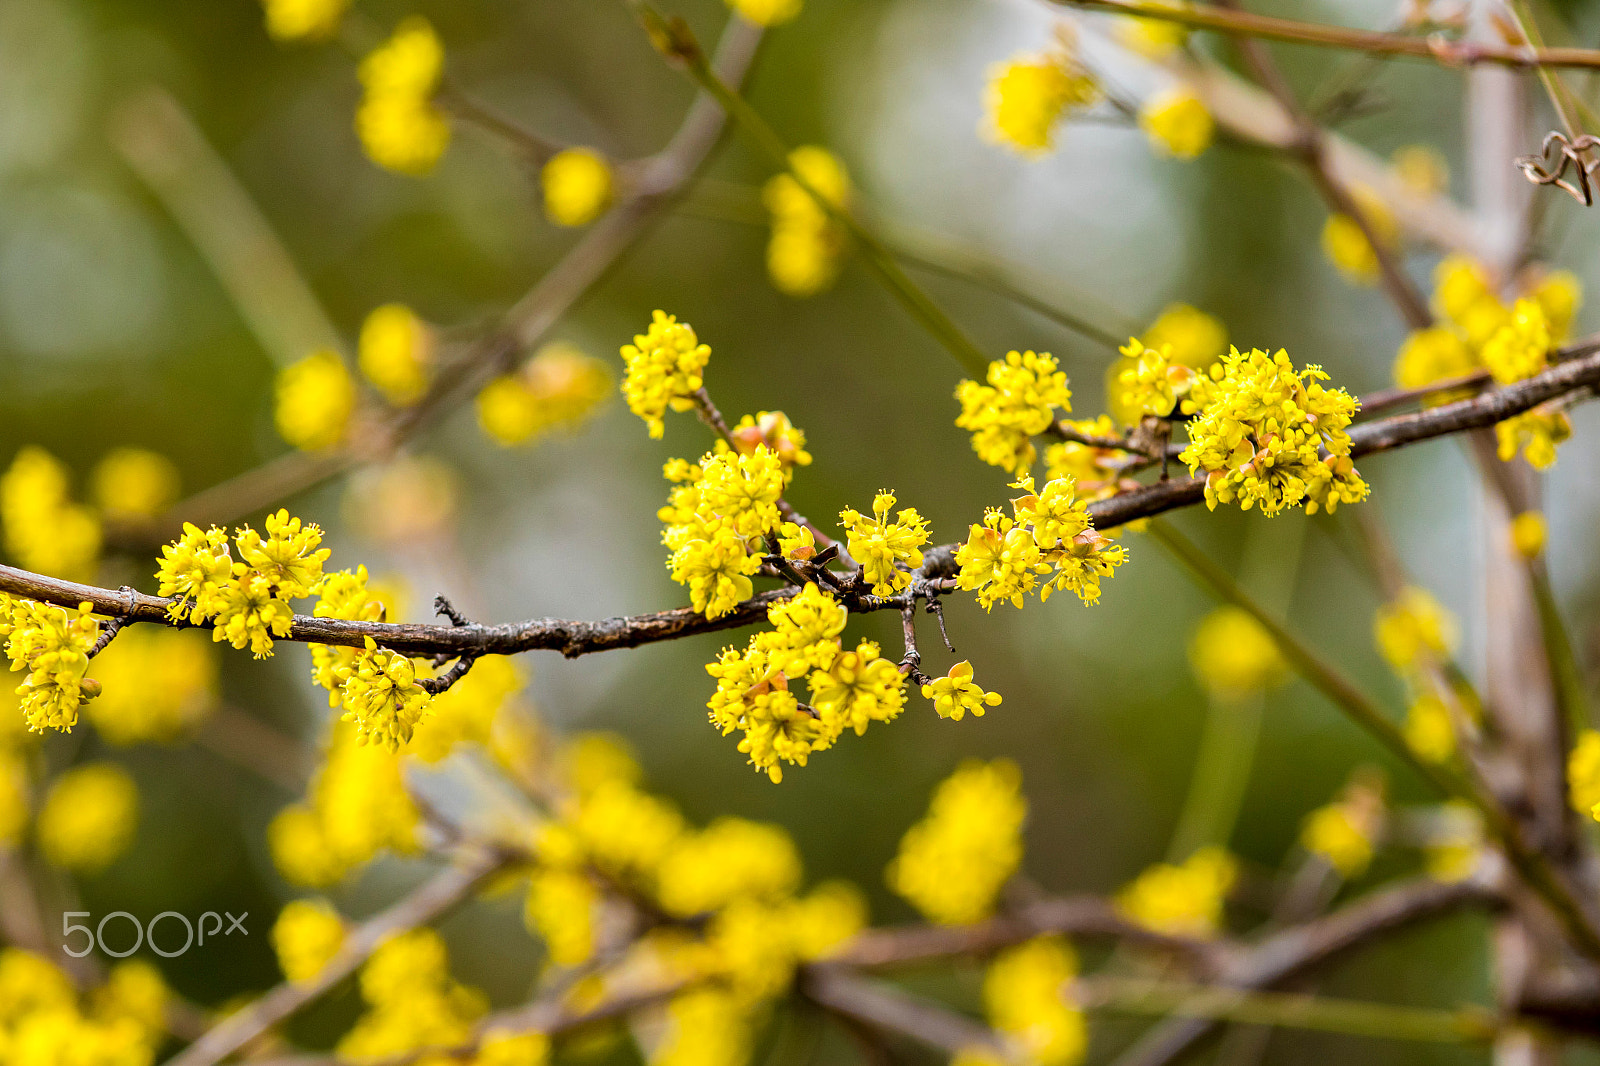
1344 833
1233 656
51 644
1412 627
706 1026
857 688
767 12
1529 534
1421 169
1432 354
1028 97
1520 348
1456 848
773 431
882 547
558 390
1559 294
158 683
664 369
395 353
729 859
194 569
134 991
398 123
315 399
807 245
134 483
1153 37
577 186
561 909
1583 772
1017 403
717 570
806 631
1261 433
955 694
413 1002
1153 383
382 697
953 863
502 1047
45 531
1461 287
1428 729
1025 998
1177 123
626 831
824 921
1184 899
89 817
1535 434
306 936
1346 245
296 20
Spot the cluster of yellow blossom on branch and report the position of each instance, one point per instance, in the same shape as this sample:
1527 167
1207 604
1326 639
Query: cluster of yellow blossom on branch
1477 331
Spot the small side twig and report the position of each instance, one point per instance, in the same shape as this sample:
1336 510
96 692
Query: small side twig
115 625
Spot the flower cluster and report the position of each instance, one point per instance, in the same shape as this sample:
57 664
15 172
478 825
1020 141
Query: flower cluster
1344 833
1095 471
246 601
558 390
953 863
1154 383
45 530
1270 436
44 1021
89 817
849 688
1025 998
1151 37
396 353
577 186
1017 402
412 1001
1177 123
1004 559
1184 899
307 934
767 12
314 400
132 483
50 644
887 551
716 518
159 685
1346 245
807 245
664 370
296 20
1029 96
1189 338
400 126
1233 656
1583 773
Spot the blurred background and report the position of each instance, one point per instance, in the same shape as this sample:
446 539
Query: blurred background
115 330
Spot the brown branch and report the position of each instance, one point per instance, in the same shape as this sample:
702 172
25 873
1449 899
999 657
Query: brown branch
432 899
574 638
1294 951
1436 48
885 1007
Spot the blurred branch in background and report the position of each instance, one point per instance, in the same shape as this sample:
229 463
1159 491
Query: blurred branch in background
162 144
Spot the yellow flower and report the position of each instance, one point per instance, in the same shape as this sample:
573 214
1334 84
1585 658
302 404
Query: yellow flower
1152 37
1583 772
1428 729
705 1027
558 389
1520 348
1017 403
806 632
306 936
882 547
158 683
134 483
1559 294
1271 436
767 12
1430 355
382 697
1345 832
45 531
287 557
1177 123
1535 433
1529 534
1028 97
296 20
194 569
626 831
807 245
858 687
89 817
1184 899
1421 169
773 431
1024 995
717 569
955 694
52 645
413 1001
953 863
561 909
1346 246
315 399
135 992
577 186
1456 848
664 370
395 353
1461 289
1233 656
823 922
729 859
1153 383
502 1047
398 123
1412 627
1000 560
